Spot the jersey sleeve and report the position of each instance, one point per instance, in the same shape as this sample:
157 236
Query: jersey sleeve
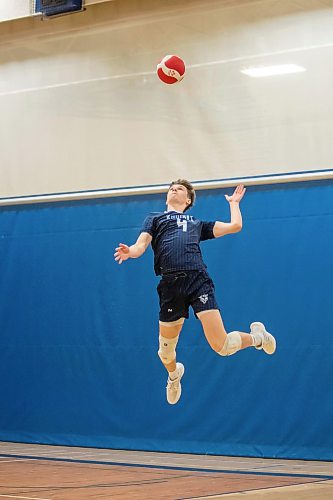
148 225
207 231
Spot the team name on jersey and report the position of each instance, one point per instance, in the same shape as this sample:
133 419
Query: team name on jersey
179 217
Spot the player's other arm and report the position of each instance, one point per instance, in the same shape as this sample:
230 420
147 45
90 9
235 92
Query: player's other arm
236 223
124 252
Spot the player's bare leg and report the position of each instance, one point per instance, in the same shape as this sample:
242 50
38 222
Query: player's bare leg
168 338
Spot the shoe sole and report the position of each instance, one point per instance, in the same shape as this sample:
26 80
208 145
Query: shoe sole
262 327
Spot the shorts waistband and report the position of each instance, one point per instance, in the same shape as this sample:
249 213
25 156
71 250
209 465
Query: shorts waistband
183 274
175 274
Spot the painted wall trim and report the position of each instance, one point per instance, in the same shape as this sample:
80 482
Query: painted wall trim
161 188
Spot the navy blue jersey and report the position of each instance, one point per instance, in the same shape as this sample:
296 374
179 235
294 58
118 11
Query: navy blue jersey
176 239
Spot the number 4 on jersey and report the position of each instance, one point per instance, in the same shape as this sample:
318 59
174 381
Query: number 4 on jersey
183 224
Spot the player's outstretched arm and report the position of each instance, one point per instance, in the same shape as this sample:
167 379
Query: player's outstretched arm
236 223
124 252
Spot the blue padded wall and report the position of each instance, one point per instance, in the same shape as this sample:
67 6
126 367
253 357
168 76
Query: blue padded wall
78 333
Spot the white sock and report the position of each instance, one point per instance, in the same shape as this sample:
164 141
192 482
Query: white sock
173 375
256 341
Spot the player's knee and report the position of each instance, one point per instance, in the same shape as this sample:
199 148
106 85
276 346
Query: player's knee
232 344
167 349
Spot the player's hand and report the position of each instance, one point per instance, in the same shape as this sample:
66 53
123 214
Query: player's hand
122 253
237 194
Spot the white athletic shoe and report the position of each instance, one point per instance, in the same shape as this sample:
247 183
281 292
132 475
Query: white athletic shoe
268 342
174 388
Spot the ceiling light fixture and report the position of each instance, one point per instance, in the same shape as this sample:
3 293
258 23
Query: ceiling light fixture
282 69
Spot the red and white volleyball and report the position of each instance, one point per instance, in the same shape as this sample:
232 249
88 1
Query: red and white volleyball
171 69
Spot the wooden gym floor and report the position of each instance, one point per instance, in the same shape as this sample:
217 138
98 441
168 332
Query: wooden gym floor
41 472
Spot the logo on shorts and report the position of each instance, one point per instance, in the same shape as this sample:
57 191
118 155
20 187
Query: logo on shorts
169 310
204 298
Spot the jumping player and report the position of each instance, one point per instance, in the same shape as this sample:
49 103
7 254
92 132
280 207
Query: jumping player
175 238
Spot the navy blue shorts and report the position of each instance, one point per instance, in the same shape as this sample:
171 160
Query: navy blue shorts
180 290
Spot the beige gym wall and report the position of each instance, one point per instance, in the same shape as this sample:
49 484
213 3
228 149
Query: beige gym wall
82 108
13 9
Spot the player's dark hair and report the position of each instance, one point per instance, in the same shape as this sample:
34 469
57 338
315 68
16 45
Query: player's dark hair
189 188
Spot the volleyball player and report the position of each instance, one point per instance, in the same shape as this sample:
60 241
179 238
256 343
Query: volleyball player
175 239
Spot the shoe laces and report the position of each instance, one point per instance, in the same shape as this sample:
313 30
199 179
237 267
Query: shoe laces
173 384
266 337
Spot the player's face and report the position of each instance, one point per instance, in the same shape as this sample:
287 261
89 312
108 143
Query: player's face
178 194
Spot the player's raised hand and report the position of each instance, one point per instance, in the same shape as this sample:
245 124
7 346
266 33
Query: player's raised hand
237 194
122 253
